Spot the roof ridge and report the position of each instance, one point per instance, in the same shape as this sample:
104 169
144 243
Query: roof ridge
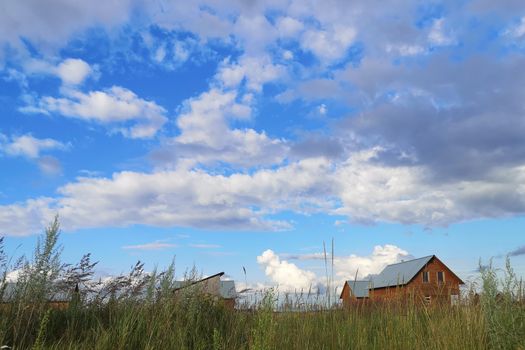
403 262
353 281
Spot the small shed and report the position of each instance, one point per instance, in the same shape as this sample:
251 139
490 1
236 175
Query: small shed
354 291
212 286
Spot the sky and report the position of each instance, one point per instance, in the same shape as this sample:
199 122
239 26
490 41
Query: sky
249 135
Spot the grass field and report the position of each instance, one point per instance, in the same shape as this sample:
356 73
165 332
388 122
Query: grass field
137 311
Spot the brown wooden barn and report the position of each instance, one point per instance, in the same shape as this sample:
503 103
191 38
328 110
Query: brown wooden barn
427 278
212 286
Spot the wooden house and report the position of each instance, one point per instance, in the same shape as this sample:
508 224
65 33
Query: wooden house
427 278
213 287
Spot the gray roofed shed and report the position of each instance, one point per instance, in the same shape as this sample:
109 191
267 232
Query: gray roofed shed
227 289
399 274
211 285
359 288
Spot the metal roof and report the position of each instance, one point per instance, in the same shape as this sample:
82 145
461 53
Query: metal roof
399 274
227 289
359 288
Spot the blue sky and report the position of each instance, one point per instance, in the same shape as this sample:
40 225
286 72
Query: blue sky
245 134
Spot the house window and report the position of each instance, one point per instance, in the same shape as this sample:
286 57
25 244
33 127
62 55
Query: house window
441 277
427 299
425 276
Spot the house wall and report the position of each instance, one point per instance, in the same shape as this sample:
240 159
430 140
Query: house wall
348 297
432 289
211 286
229 303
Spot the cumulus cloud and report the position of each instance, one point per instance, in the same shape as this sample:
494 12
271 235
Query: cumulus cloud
430 140
28 146
73 71
255 70
372 192
329 45
134 116
207 137
288 26
50 24
29 217
360 188
287 276
350 267
180 197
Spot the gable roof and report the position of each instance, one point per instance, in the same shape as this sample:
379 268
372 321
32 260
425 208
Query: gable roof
401 273
359 288
226 288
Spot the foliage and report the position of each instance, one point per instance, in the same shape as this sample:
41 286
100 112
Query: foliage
140 310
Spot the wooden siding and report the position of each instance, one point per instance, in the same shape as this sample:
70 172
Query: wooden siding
348 297
432 289
415 288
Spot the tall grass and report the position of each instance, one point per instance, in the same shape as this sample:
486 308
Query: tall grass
140 311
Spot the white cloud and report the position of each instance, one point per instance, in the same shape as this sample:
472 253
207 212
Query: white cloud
29 217
256 70
156 245
254 32
115 105
340 222
405 49
51 23
288 55
206 136
13 276
516 31
438 36
360 188
28 146
177 198
350 267
180 52
329 45
372 192
73 71
204 246
289 27
160 54
287 276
